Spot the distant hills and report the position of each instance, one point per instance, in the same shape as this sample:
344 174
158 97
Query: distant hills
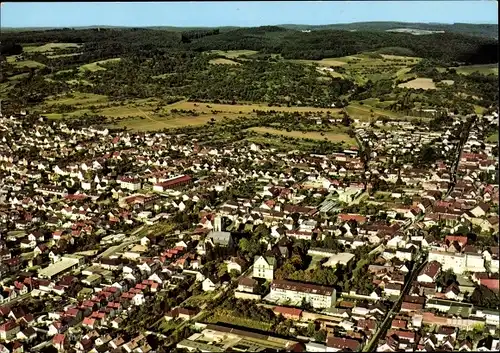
480 30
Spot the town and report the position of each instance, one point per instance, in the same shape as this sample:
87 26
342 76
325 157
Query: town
121 241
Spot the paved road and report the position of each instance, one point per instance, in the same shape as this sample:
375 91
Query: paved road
454 168
369 347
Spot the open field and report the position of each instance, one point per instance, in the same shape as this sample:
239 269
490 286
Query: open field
233 53
221 61
78 99
364 113
419 83
327 62
226 317
49 47
22 63
493 138
62 55
332 136
95 66
242 108
482 69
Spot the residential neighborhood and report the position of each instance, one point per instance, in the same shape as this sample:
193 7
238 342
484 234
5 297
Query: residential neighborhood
113 241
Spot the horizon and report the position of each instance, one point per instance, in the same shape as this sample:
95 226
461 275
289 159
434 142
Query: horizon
243 14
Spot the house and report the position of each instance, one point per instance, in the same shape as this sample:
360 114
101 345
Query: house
236 264
288 313
181 313
429 273
60 342
263 267
210 284
9 330
246 284
336 344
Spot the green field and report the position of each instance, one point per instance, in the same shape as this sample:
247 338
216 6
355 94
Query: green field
493 138
221 61
482 69
23 63
49 47
231 54
95 66
331 136
78 99
228 318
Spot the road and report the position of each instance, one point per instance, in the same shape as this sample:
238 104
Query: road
454 168
382 329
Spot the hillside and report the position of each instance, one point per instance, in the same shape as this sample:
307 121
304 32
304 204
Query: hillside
480 30
107 43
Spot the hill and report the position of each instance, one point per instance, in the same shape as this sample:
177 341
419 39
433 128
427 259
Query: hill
480 30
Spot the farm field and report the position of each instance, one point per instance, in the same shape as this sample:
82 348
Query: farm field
419 83
243 108
78 99
482 69
226 317
95 66
231 54
49 47
332 136
22 63
221 61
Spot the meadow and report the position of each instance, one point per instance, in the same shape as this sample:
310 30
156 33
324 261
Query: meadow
331 136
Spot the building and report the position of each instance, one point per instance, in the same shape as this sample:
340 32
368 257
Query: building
448 260
173 183
131 184
295 293
263 267
9 330
66 263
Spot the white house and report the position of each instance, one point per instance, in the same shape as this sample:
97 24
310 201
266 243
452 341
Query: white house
263 267
209 284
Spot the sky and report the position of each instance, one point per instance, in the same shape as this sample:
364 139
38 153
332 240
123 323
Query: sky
258 13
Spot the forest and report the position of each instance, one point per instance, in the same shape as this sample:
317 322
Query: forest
291 44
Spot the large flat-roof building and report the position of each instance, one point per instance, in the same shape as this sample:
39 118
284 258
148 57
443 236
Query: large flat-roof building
294 293
66 263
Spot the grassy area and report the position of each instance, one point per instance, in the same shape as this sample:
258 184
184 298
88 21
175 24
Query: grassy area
62 55
357 111
198 300
419 83
227 317
234 53
78 99
332 136
493 138
49 47
242 108
166 326
23 63
221 61
95 66
482 69
478 109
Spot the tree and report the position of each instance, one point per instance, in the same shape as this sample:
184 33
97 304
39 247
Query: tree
320 336
446 278
484 297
